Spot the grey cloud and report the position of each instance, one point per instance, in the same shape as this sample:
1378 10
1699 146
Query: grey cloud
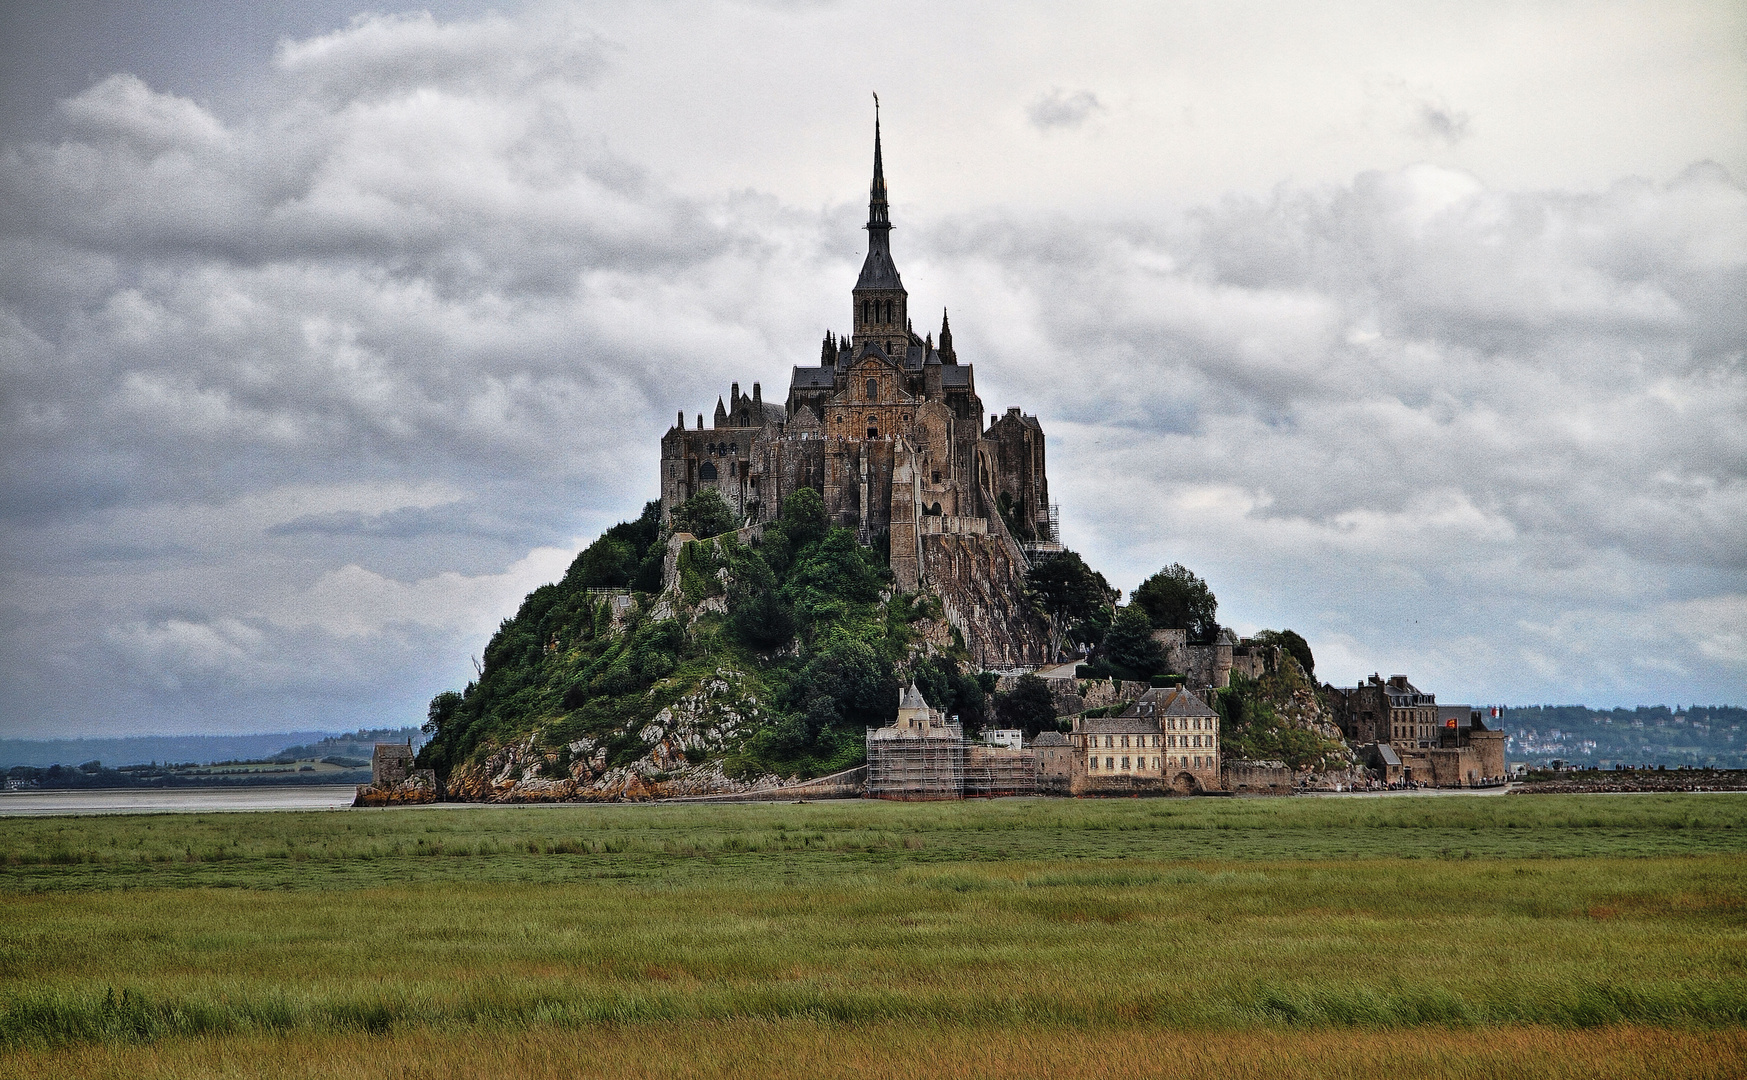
1438 121
384 55
402 523
1407 396
1059 108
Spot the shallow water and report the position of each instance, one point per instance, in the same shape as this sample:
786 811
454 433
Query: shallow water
177 800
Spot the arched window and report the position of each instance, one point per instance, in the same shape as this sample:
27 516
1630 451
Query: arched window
707 471
873 389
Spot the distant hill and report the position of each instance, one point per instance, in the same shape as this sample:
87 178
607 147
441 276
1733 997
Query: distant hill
1699 735
197 749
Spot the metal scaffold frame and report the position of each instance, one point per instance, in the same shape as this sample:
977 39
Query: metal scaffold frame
990 773
915 767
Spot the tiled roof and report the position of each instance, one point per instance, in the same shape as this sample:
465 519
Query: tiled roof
1169 701
813 378
1119 725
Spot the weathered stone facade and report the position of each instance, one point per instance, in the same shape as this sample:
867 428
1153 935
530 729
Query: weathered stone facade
1439 745
394 781
888 428
1166 742
1257 777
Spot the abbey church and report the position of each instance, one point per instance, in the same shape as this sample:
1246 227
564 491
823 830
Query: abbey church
889 429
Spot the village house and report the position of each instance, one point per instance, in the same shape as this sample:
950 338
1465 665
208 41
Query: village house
1165 741
1405 735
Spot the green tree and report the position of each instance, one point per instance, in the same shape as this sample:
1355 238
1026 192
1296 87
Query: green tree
1029 706
1175 599
644 531
803 518
1069 592
1296 646
704 515
442 724
757 613
1130 647
606 563
953 692
844 684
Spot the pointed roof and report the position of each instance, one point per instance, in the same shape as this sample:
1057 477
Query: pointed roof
913 698
877 192
878 270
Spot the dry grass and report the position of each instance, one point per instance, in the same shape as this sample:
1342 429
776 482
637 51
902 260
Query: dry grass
774 1050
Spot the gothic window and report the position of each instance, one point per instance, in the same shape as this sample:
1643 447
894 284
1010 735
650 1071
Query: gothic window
734 448
732 466
707 471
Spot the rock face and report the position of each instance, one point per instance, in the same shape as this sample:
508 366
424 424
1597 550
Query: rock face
418 786
1075 696
685 747
979 579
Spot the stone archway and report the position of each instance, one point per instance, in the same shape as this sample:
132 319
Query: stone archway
1185 783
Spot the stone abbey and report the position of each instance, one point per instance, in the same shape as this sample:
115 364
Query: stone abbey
888 428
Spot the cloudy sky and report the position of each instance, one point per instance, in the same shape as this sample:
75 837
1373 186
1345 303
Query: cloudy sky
325 335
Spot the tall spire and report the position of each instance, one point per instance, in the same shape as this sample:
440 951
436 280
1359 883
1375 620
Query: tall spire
880 300
878 215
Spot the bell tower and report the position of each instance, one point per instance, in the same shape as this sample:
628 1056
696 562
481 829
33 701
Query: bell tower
881 315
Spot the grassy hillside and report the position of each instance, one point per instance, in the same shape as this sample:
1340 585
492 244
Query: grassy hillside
797 631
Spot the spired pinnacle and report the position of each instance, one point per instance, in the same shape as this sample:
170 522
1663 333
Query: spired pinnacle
878 272
878 213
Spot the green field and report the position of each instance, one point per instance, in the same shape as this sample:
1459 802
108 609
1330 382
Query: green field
1463 936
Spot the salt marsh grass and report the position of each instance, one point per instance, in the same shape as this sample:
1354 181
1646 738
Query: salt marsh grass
127 944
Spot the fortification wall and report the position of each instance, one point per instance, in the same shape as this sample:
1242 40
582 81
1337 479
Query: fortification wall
979 580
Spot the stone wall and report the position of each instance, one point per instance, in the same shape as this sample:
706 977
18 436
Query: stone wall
1257 777
978 579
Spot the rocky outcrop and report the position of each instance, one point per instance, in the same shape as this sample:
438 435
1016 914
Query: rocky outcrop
419 786
685 746
979 579
1074 696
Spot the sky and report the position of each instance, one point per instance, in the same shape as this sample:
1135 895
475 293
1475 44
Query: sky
328 333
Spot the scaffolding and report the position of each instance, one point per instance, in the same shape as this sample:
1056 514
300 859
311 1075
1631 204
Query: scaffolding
994 771
906 766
